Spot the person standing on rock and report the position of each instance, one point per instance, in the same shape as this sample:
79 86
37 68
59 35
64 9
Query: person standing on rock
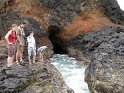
11 41
31 47
20 42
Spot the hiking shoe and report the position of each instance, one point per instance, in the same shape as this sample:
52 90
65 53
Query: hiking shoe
34 62
22 61
42 60
30 63
22 64
17 62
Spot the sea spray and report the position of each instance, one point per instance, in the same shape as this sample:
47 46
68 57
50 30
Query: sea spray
72 71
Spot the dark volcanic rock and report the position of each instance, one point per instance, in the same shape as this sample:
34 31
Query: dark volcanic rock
37 78
3 52
112 10
61 11
3 5
105 47
111 36
12 17
42 14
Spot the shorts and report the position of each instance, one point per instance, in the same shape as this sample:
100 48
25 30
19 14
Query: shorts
31 51
11 49
20 48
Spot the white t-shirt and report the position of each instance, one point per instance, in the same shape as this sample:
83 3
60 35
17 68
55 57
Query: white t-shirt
42 48
31 42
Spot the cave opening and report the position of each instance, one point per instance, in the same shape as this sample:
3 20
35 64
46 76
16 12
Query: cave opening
58 46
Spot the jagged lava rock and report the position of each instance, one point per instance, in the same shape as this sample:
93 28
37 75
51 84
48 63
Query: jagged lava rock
104 47
36 78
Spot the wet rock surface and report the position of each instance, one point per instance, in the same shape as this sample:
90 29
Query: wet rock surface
104 47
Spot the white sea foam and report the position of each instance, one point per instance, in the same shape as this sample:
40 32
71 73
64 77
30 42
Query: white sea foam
72 72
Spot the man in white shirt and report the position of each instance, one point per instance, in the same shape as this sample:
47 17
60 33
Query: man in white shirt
31 47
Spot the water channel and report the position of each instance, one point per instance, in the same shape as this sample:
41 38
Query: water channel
72 71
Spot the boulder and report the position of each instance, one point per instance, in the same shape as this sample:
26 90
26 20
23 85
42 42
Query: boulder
104 47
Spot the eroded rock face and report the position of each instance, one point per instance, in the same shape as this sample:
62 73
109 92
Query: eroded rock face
104 47
73 16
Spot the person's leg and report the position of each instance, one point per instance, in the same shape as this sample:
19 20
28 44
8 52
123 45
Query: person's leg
10 54
13 53
29 58
34 55
9 61
41 56
21 54
17 56
17 53
12 59
29 55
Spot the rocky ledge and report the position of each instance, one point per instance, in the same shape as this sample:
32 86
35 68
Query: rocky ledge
36 78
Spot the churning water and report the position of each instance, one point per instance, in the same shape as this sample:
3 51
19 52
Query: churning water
72 71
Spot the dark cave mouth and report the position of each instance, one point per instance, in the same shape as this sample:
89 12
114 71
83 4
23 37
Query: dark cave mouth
58 46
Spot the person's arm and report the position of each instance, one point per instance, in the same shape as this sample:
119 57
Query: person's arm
35 44
18 37
7 35
23 33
